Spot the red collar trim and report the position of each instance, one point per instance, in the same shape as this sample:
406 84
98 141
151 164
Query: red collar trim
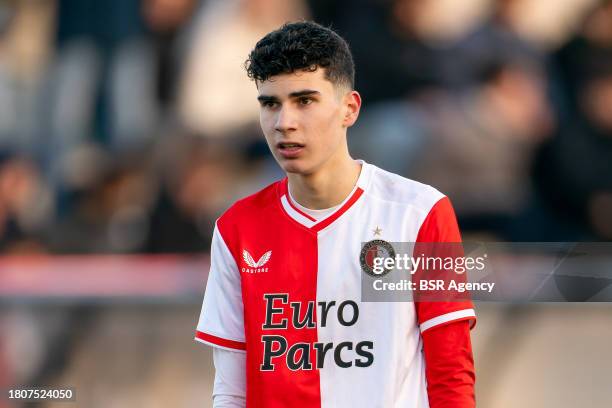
318 226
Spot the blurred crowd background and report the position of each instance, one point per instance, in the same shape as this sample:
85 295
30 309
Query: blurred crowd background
129 126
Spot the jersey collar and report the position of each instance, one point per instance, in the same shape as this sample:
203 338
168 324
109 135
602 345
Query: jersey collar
309 222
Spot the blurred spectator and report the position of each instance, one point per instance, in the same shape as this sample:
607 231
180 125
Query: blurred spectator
166 21
585 55
115 70
391 135
109 205
25 206
103 74
394 58
216 96
480 146
498 37
574 170
198 182
25 47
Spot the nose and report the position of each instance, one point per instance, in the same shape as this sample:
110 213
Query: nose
285 120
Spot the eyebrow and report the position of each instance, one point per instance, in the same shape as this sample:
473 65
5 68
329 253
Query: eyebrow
305 92
297 94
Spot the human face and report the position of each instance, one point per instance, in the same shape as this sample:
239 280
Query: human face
304 118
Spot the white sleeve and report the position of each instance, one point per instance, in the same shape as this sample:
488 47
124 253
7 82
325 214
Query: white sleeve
228 401
229 390
221 322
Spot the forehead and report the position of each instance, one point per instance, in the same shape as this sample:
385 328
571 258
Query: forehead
284 84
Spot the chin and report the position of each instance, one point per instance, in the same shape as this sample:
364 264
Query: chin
295 167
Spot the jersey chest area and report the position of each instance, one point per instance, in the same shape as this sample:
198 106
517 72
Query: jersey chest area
309 265
303 288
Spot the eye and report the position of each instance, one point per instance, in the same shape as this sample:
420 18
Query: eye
269 104
305 100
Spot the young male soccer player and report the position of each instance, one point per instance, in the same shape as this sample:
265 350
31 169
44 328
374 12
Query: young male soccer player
282 306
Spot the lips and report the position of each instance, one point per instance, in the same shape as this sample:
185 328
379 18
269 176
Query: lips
290 150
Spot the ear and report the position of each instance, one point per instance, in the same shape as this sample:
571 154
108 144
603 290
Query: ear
352 104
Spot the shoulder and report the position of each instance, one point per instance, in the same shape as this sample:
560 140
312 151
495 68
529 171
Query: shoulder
252 206
431 212
398 190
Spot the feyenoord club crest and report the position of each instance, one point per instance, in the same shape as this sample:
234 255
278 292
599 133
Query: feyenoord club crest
375 249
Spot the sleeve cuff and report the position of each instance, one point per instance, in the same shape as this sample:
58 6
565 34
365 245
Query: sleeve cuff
466 314
220 342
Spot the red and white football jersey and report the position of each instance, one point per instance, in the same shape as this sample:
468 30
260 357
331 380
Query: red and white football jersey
286 289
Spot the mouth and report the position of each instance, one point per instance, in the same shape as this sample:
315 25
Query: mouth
290 149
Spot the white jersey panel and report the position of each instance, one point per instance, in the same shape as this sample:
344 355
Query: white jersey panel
399 371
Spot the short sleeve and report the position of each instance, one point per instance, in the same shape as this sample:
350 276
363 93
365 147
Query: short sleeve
440 226
221 322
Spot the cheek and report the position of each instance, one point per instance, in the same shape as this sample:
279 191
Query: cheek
321 117
330 121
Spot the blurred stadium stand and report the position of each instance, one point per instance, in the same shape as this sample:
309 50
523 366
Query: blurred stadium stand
128 126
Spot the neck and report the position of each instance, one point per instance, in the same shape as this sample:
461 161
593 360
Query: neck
326 187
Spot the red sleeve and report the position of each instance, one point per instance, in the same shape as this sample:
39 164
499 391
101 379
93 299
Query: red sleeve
449 366
439 237
445 322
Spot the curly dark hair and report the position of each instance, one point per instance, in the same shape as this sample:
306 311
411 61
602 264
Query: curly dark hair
306 46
